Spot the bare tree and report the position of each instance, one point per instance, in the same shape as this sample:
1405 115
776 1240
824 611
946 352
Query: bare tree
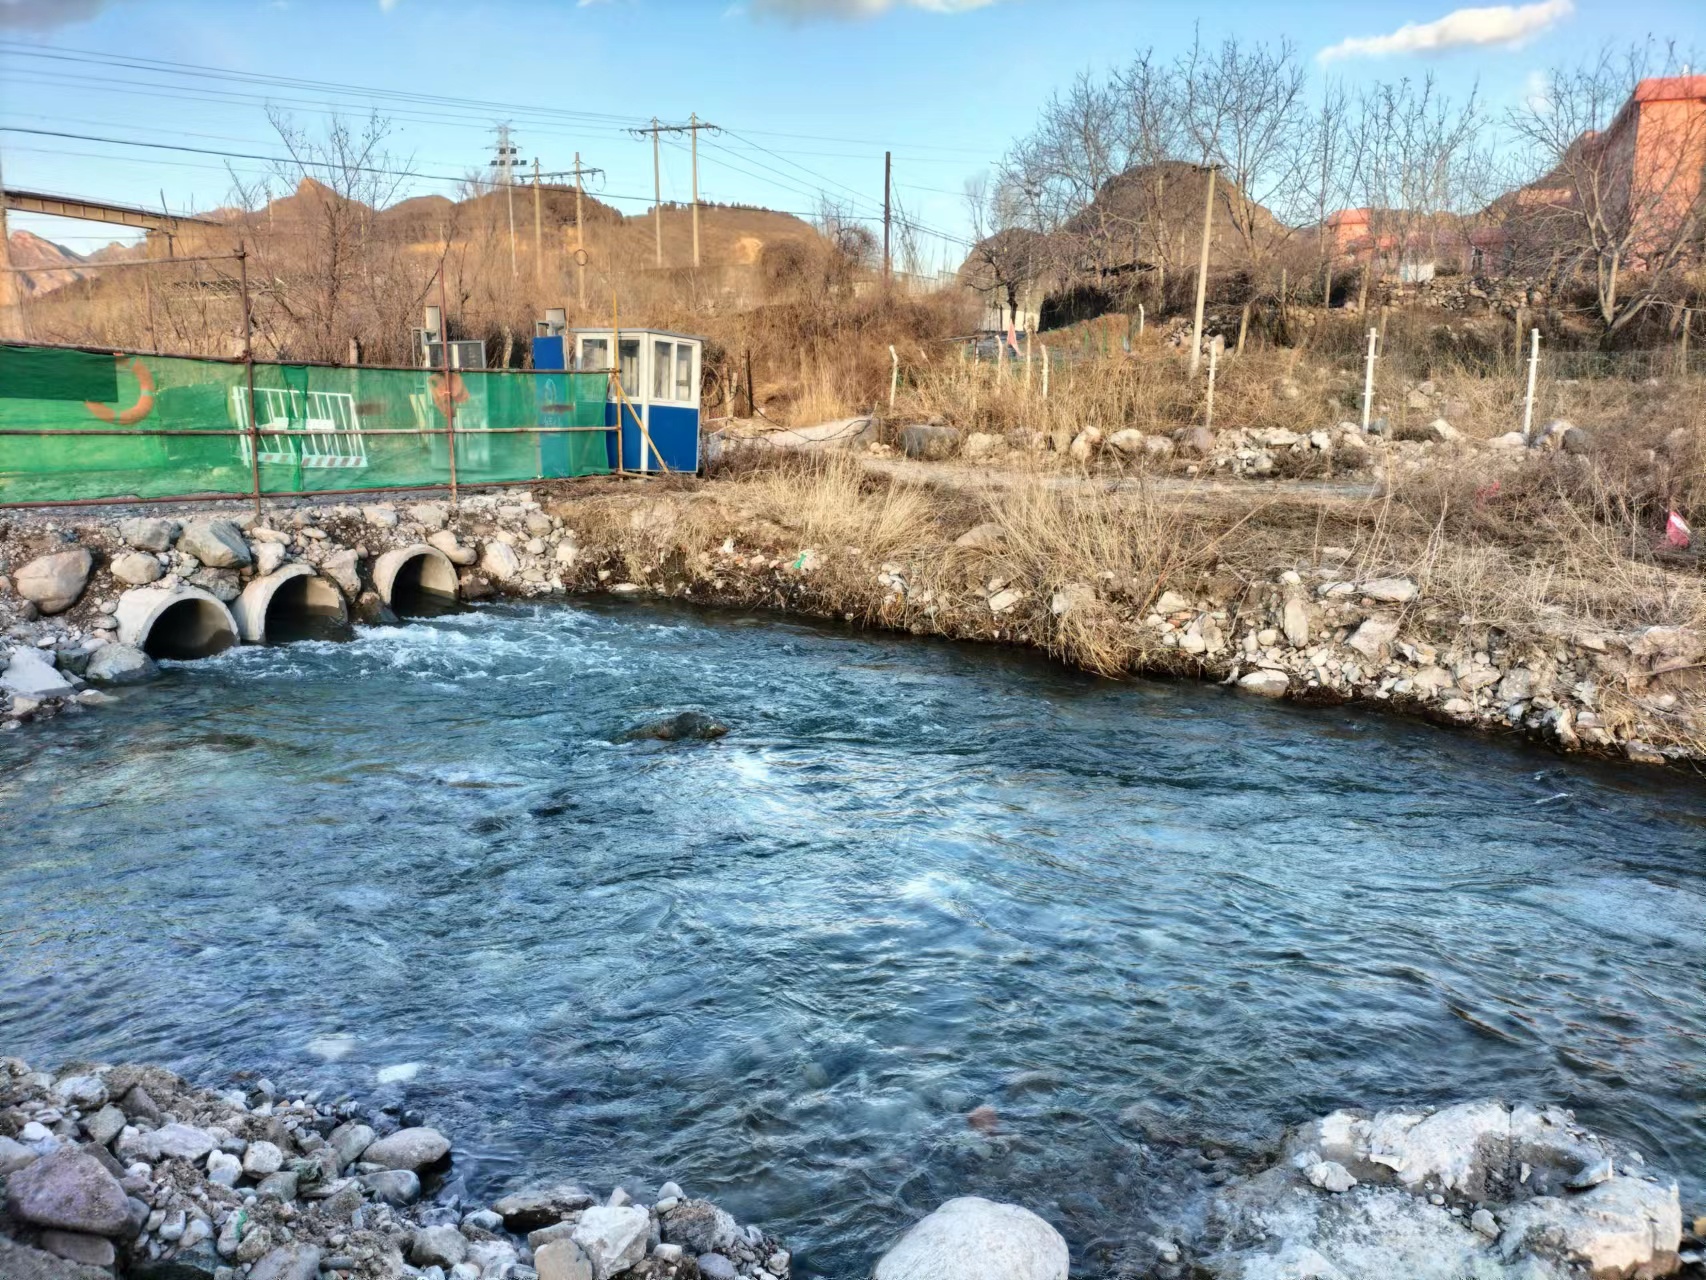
1244 110
1008 258
1619 200
1330 173
338 264
1415 163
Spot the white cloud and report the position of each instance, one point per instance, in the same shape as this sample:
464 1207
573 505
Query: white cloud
1503 24
805 10
385 6
43 15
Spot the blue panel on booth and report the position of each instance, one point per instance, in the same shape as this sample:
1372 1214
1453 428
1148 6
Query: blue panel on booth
548 353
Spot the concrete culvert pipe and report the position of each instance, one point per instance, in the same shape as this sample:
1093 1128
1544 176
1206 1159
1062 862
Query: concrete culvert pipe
176 622
293 603
416 580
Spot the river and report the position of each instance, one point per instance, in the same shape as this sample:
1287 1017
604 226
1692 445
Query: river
782 967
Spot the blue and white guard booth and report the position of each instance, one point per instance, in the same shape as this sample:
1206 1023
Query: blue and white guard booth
659 372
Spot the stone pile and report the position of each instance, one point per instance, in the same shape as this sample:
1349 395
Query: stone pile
130 1171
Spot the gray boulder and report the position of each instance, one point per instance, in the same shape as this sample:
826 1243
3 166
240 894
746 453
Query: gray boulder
288 1262
180 1142
218 544
135 568
561 1260
700 1226
77 1246
409 1149
69 1190
21 1262
442 1246
148 534
613 1237
121 664
971 1238
525 1211
929 444
349 1141
30 674
679 727
53 582
393 1186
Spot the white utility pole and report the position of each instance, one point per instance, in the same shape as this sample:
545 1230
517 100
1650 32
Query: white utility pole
1202 273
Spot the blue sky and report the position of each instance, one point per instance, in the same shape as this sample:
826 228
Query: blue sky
810 91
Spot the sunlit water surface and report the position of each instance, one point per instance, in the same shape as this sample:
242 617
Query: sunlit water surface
782 967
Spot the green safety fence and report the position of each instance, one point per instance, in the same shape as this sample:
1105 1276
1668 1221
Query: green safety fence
144 426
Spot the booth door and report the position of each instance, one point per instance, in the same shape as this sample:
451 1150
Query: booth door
673 402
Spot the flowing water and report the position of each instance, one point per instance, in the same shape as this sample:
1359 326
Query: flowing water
782 967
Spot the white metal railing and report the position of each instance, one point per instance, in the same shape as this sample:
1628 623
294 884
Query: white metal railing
330 415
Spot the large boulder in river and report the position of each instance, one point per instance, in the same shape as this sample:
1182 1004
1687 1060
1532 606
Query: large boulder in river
69 1190
408 1149
679 727
53 582
971 1238
218 544
121 664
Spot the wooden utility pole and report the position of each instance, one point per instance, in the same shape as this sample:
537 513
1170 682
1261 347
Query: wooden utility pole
1202 273
693 126
538 235
657 189
888 182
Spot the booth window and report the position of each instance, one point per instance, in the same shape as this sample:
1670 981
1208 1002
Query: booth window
684 372
660 370
630 360
595 354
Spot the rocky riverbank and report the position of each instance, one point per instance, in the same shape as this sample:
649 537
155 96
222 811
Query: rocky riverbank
130 1171
1324 627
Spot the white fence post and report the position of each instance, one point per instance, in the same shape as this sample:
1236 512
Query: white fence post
1368 380
894 376
1213 362
1533 368
1140 319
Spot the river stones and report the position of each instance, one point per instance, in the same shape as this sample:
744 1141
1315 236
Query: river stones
562 1260
218 544
438 1247
348 1141
393 1186
613 1237
414 1149
680 727
31 674
288 1262
69 1190
180 1142
135 568
525 1211
700 1226
971 1238
53 582
148 534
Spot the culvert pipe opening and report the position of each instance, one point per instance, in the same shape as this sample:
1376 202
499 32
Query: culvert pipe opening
424 585
190 628
306 608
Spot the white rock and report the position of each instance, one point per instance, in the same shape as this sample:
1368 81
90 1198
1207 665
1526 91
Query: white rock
1266 683
179 1142
343 567
268 557
1390 590
1615 1228
31 674
1329 1175
971 1238
982 537
1002 601
1373 637
218 544
223 1168
148 534
262 1158
1171 602
613 1237
1128 441
1294 618
500 561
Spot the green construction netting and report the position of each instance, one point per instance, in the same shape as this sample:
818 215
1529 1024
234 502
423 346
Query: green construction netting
319 428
